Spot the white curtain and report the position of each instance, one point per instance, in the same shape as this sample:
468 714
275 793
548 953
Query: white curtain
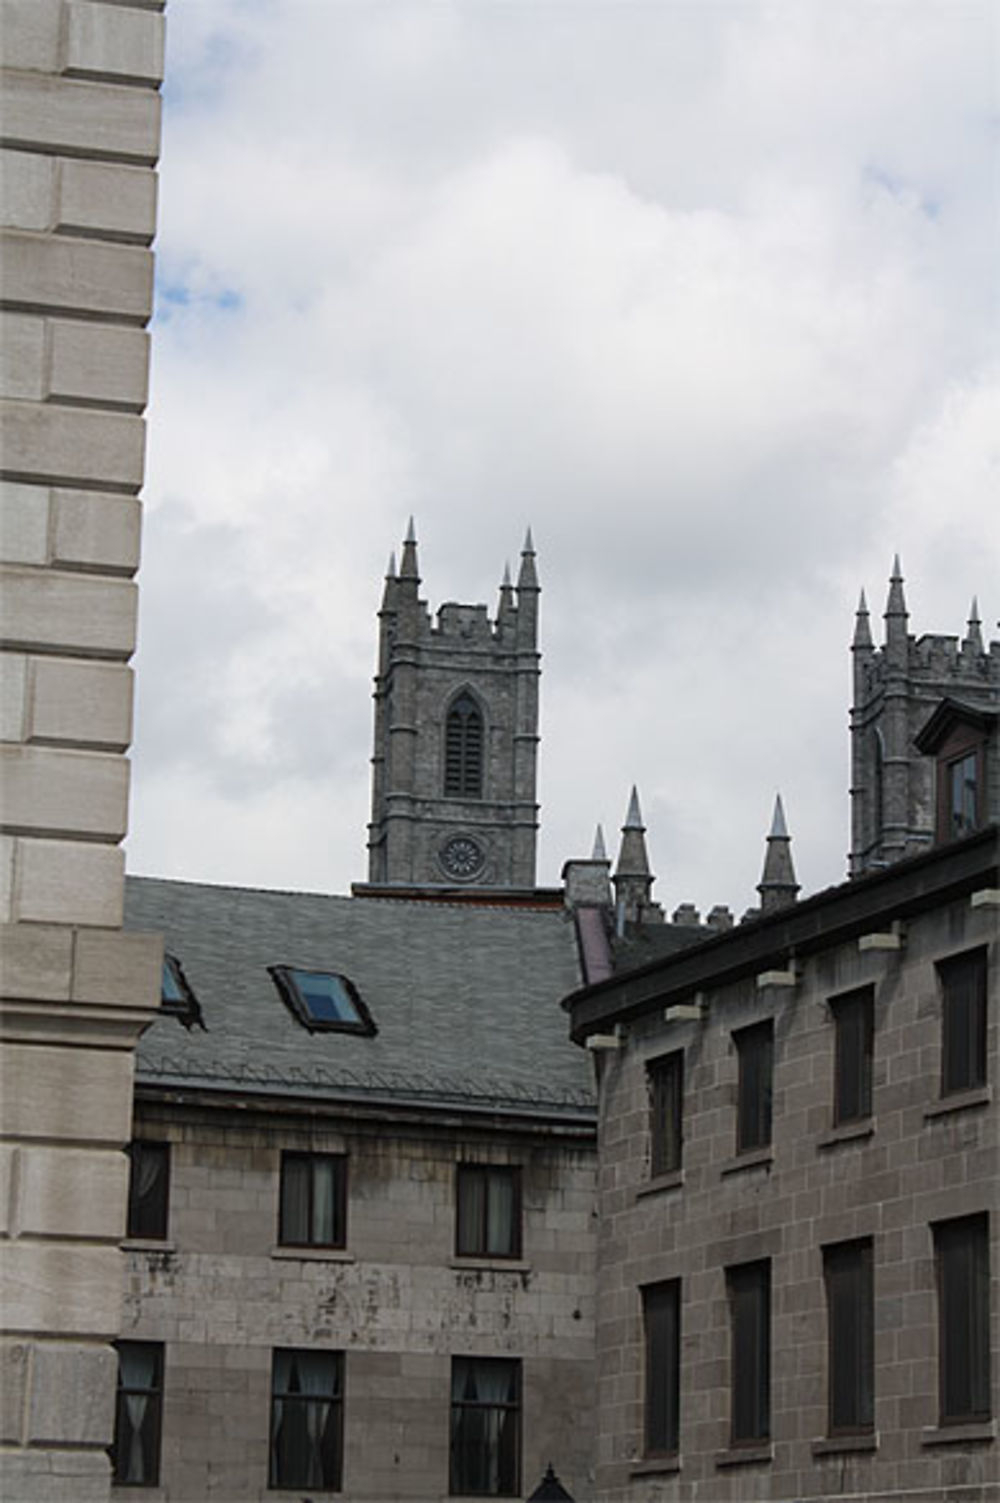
137 1370
500 1214
323 1201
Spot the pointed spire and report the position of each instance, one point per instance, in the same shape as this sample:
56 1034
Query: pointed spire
974 635
862 630
895 619
408 568
896 602
527 578
633 819
777 886
389 593
632 877
600 852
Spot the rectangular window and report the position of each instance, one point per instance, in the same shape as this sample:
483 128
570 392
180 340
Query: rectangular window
488 1220
962 980
850 1320
963 795
963 1282
485 1426
749 1289
666 1112
307 1419
854 1021
313 1200
755 1049
148 1190
135 1451
661 1316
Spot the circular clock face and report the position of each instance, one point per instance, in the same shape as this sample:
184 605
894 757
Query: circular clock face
462 857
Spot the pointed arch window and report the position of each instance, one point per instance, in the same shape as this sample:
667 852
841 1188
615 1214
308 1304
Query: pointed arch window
463 749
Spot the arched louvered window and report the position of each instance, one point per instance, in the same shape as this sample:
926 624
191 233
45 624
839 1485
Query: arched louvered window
463 749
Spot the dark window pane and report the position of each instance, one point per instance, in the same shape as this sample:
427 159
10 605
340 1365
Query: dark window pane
963 1272
963 795
135 1452
661 1320
488 1211
750 1353
666 1104
463 749
313 1200
306 1419
847 1269
323 1000
963 1021
485 1426
854 1020
148 1190
755 1049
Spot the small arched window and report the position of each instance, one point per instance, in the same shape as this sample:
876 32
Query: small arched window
463 749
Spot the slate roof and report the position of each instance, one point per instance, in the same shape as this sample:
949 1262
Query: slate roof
466 999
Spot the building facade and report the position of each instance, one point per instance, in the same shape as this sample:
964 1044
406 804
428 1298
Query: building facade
81 126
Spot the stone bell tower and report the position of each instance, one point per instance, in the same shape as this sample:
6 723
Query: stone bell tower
456 736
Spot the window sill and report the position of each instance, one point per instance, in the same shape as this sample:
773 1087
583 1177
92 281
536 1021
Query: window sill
745 1455
654 1466
501 1265
847 1132
960 1101
976 1432
843 1445
313 1254
659 1182
148 1244
754 1158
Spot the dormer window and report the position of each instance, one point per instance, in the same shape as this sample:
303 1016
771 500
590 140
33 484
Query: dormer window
463 749
323 1001
956 736
177 996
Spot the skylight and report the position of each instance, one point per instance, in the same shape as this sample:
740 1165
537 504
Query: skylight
176 995
323 1001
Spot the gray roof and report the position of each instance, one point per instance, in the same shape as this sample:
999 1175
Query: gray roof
465 999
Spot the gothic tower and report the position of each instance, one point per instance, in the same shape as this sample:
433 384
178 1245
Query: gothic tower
456 736
924 764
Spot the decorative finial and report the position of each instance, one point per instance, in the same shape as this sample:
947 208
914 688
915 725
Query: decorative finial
777 886
599 853
974 636
633 819
862 630
408 568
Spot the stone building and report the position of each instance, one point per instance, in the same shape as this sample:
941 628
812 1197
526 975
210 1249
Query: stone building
361 1224
81 128
799 1152
924 758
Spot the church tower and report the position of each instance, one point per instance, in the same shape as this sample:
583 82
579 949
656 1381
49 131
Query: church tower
924 754
456 736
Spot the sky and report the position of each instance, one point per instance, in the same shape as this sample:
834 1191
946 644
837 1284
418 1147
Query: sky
705 293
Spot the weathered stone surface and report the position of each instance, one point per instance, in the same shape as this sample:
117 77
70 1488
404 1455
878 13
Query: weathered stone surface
26 202
71 1193
63 881
22 356
55 1476
113 968
72 446
13 696
64 793
103 41
80 703
80 1095
81 118
37 962
24 523
62 274
51 1286
13 1386
95 532
30 30
103 365
58 611
109 200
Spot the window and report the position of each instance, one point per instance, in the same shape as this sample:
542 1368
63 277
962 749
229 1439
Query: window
313 1210
666 1110
661 1315
755 1048
463 749
176 995
850 1320
963 1281
307 1415
488 1221
135 1452
749 1288
961 795
323 1000
485 1426
962 980
854 1021
148 1190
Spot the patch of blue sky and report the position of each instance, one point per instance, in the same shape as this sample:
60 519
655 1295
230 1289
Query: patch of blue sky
902 190
206 50
173 295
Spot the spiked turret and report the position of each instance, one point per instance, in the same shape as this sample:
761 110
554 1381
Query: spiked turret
408 566
777 886
896 616
862 630
633 879
974 633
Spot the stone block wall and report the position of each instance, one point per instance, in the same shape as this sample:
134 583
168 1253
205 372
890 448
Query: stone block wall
81 124
221 1295
921 1158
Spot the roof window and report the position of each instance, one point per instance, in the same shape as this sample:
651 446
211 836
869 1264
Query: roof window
176 995
323 1001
